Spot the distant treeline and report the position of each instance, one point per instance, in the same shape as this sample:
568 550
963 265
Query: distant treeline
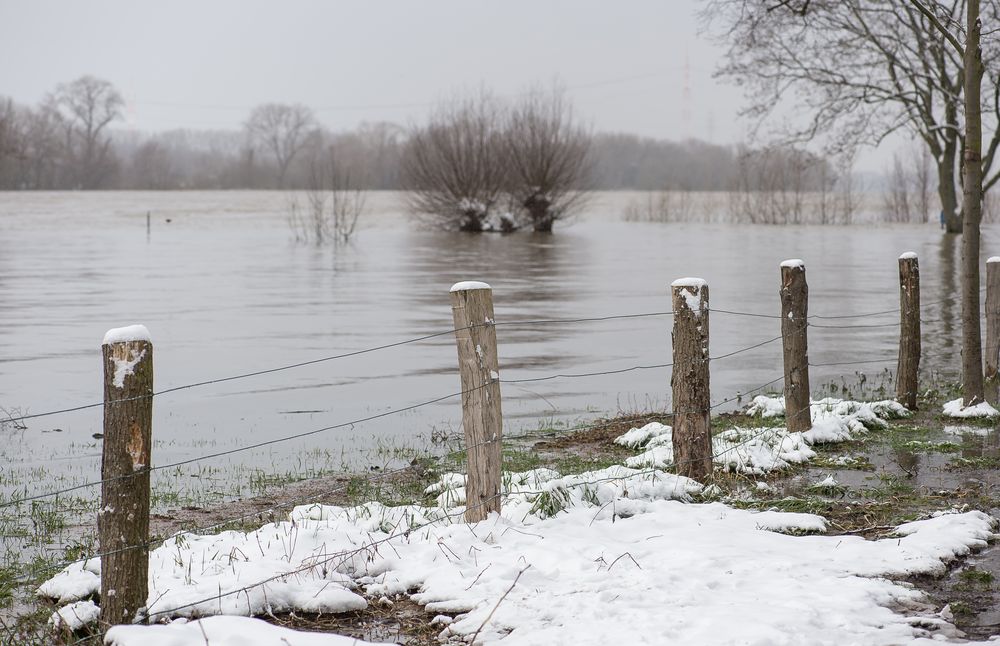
225 159
72 141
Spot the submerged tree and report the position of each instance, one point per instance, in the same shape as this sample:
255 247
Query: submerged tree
547 157
335 199
453 167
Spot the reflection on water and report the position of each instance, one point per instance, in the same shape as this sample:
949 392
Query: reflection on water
224 290
950 312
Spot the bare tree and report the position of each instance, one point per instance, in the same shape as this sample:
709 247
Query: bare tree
773 185
335 199
282 130
922 184
971 54
12 144
547 155
43 150
382 143
855 72
85 108
453 167
151 168
896 196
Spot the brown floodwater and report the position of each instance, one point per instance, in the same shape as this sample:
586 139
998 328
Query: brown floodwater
224 289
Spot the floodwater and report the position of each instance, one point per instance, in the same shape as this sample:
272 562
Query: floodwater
224 290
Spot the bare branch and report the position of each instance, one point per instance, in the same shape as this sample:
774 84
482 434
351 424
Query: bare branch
923 9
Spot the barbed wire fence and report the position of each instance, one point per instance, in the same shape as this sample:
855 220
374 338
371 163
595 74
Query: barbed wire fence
33 574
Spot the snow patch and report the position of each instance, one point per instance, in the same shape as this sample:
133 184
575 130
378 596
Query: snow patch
691 292
908 255
955 408
223 631
794 263
741 450
542 493
759 451
75 582
126 367
75 616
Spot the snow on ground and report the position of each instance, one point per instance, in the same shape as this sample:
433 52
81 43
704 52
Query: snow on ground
619 559
745 450
636 571
75 615
618 555
955 408
759 450
222 631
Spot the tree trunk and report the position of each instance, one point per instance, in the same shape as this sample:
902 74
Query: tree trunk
540 211
946 189
543 225
972 210
471 221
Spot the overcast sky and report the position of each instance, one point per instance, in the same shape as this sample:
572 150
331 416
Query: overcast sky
637 66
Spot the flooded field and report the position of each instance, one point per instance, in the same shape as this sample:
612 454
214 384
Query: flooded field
225 290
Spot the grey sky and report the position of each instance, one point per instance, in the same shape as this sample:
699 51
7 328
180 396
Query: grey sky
205 64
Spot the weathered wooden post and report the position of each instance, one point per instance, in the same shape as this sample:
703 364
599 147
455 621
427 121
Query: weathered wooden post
689 382
992 321
475 334
909 330
123 519
795 350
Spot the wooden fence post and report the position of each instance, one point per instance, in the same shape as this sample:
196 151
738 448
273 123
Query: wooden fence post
123 519
689 381
909 330
992 319
794 321
476 337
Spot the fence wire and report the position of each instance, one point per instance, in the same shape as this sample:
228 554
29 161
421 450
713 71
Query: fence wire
379 476
261 512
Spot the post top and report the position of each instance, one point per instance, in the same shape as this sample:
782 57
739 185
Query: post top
469 284
697 283
794 262
993 259
909 255
127 333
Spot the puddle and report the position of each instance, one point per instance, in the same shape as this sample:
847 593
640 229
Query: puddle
399 621
956 465
970 591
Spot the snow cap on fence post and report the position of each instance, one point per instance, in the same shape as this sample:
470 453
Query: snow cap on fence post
482 420
689 380
123 519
